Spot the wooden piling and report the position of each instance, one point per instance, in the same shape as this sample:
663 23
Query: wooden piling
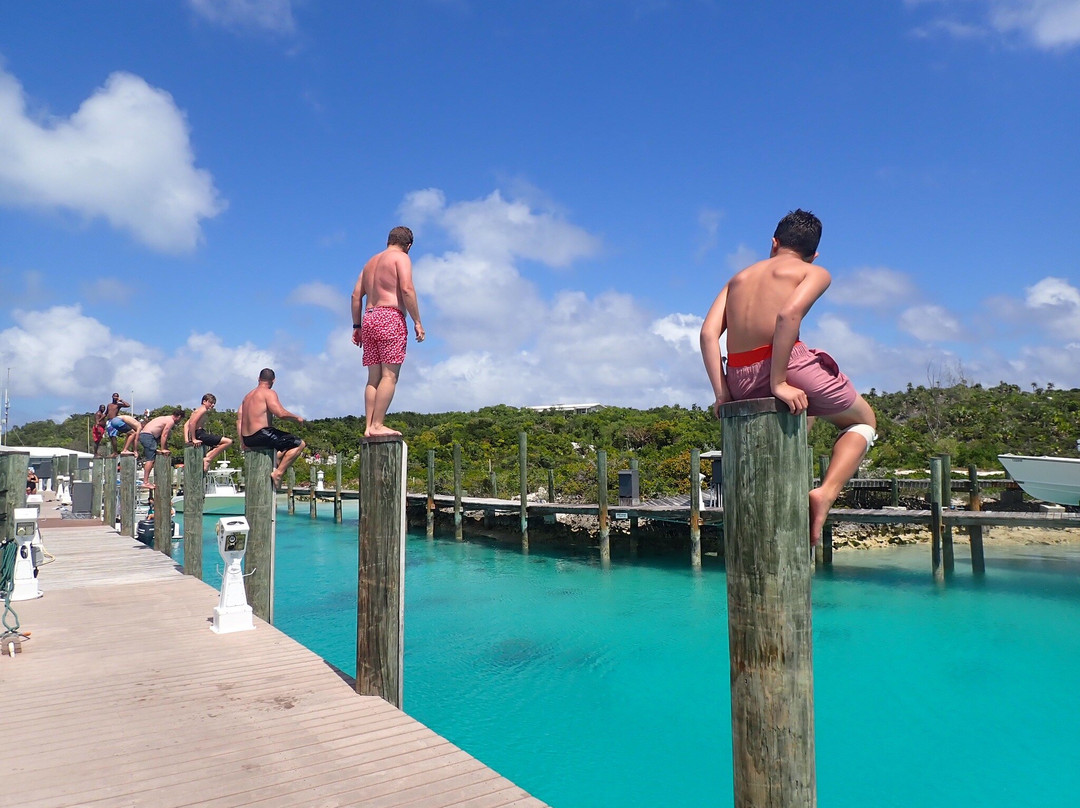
494 483
128 469
163 502
975 532
551 485
430 527
947 556
695 508
260 513
313 507
634 522
457 491
194 497
974 494
290 497
935 519
894 492
380 603
108 491
602 505
97 483
13 466
337 491
73 469
766 529
523 488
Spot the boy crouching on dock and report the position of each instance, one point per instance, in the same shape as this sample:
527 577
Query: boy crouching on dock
761 308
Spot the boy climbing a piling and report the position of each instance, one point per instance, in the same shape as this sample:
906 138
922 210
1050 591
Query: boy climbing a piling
761 308
195 434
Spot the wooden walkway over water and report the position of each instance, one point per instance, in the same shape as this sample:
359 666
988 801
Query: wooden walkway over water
124 697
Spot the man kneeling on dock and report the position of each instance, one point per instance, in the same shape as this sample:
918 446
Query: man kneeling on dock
253 425
761 308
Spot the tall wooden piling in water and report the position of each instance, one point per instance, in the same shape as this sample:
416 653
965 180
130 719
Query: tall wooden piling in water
602 505
523 488
259 510
975 532
337 490
824 549
380 602
457 491
194 497
766 548
290 497
128 470
430 526
313 506
935 519
947 556
163 502
695 508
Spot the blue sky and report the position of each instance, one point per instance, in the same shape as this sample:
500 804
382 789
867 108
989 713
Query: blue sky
188 189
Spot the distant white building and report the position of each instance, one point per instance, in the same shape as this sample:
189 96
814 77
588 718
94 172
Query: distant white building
575 408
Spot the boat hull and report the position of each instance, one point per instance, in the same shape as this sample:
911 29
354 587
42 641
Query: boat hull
216 504
1051 479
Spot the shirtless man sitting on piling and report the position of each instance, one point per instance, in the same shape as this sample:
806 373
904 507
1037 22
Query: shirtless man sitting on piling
386 283
761 308
253 425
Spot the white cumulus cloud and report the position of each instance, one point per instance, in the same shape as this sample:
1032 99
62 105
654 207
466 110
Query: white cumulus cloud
321 294
125 156
1056 304
1044 24
929 323
273 16
871 286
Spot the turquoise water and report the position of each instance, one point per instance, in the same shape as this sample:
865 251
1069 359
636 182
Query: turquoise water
609 687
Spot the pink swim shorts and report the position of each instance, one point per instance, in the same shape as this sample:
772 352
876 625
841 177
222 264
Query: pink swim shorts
383 335
827 389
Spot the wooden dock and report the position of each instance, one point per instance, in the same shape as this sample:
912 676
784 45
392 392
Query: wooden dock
124 697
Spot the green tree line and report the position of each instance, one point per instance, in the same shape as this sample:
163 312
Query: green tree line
971 422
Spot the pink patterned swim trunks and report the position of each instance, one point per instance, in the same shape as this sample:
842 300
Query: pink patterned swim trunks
827 389
383 335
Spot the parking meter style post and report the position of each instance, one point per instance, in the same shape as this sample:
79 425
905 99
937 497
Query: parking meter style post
28 555
232 612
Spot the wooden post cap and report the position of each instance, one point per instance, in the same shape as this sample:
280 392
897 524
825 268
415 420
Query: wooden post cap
383 439
752 406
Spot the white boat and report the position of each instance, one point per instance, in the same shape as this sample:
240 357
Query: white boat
220 493
1051 479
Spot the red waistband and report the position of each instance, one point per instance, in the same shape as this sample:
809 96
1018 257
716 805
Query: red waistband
743 359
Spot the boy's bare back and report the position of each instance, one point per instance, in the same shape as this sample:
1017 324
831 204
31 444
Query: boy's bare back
757 294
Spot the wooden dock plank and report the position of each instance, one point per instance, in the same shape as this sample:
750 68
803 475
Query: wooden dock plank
123 696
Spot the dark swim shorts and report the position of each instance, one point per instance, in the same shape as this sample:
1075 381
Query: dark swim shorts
207 438
270 438
150 446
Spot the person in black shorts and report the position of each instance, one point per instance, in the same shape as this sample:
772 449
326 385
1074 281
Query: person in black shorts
254 421
194 434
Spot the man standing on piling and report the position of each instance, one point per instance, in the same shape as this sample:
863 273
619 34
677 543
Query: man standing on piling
254 421
386 283
762 308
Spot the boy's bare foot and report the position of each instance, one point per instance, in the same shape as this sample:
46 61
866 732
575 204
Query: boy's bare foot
819 512
275 480
375 431
126 452
206 464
